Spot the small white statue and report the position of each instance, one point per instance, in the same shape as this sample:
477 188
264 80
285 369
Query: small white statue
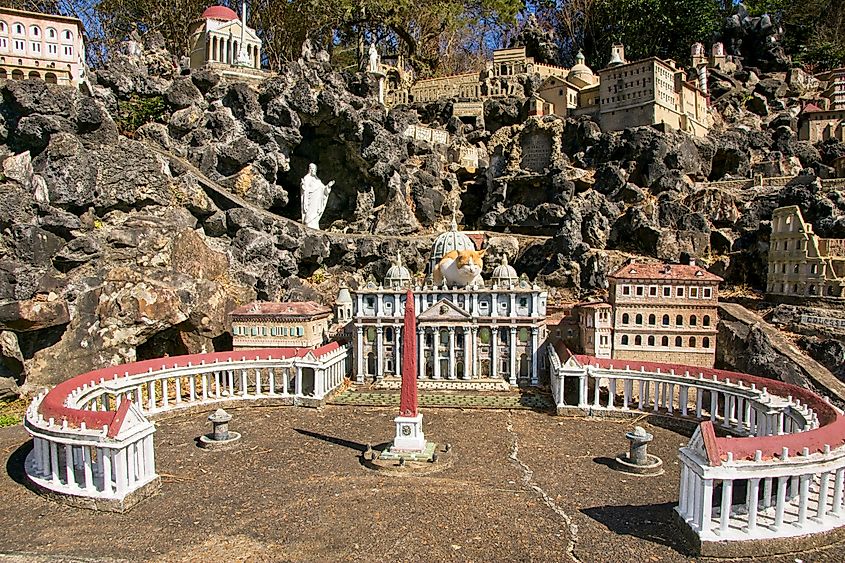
315 194
375 59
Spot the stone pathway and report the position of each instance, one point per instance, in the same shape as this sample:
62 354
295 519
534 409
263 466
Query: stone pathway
474 401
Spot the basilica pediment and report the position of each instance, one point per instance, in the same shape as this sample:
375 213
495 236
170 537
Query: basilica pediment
444 310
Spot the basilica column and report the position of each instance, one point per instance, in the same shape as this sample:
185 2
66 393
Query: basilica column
435 352
397 356
359 355
513 362
379 351
421 352
452 368
474 350
467 349
494 357
535 354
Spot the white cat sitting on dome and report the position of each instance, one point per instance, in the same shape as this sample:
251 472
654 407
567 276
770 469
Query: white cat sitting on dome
460 268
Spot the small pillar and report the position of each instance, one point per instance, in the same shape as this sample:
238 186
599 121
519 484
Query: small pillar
220 436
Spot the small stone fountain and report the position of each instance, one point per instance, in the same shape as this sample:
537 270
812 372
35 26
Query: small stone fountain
220 435
637 460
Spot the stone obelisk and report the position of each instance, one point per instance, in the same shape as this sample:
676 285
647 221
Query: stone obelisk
409 433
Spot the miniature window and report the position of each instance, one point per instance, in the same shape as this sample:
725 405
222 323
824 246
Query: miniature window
484 335
503 336
665 320
18 29
35 47
300 331
665 341
3 43
814 268
388 334
679 342
370 301
444 337
19 45
625 318
51 33
652 319
68 51
639 319
626 290
693 320
705 342
652 291
3 28
52 49
692 341
680 291
708 292
263 331
35 31
253 331
693 292
795 288
603 341
523 302
624 340
523 335
667 291
638 340
795 269
371 334
640 290
651 340
786 245
67 35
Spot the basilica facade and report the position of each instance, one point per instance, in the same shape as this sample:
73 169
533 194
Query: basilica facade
494 331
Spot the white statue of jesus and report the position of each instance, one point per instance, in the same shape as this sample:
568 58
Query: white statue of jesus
315 194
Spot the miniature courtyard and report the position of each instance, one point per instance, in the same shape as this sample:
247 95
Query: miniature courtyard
522 485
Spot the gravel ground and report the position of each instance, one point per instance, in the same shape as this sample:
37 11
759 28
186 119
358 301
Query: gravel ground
523 486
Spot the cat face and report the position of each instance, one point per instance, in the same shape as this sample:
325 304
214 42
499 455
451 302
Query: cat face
470 262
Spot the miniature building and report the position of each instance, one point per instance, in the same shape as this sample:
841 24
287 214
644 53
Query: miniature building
280 325
218 37
650 92
494 332
447 242
817 124
800 262
35 45
596 329
664 313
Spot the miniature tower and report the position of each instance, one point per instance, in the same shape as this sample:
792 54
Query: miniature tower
243 56
409 433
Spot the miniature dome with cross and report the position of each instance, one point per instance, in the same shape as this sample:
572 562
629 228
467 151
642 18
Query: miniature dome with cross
504 275
398 275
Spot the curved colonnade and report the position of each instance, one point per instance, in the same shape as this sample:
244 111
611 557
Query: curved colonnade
92 437
764 471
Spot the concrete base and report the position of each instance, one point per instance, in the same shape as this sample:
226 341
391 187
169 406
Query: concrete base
207 442
653 467
101 504
430 460
409 434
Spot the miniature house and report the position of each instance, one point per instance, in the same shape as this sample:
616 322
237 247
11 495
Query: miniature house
280 325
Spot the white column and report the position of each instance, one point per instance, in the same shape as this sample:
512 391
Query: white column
54 463
435 352
698 400
473 349
379 349
230 377
535 353
467 349
803 498
512 343
683 496
641 394
452 368
359 352
257 382
69 476
192 388
420 352
86 468
178 382
767 492
714 405
821 512
837 491
494 344
149 455
120 471
105 463
707 504
285 380
397 352
725 515
751 502
243 383
298 382
164 394
781 502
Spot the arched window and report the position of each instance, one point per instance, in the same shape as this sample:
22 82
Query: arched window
17 74
651 340
18 29
67 35
3 28
679 320
639 319
705 342
34 74
665 320
665 341
51 33
652 319
692 341
34 31
706 320
625 318
624 340
638 340
679 341
693 320
388 335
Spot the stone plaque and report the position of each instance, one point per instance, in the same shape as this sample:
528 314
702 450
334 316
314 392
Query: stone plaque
438 136
536 152
468 109
823 321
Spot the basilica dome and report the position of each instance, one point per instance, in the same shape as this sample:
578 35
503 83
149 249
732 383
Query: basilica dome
581 70
398 275
504 275
447 242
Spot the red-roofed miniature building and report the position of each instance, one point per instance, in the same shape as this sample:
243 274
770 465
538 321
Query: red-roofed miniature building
280 325
664 313
222 40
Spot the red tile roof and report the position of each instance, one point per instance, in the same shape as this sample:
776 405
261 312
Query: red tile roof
288 309
811 108
219 13
674 272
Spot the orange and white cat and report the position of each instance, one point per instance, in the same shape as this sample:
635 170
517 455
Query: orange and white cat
460 268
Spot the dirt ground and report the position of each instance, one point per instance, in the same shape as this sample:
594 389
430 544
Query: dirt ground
523 486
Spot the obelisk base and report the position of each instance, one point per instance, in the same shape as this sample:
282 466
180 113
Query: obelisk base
409 434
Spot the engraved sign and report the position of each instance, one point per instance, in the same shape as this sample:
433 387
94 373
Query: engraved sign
536 152
468 109
823 321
